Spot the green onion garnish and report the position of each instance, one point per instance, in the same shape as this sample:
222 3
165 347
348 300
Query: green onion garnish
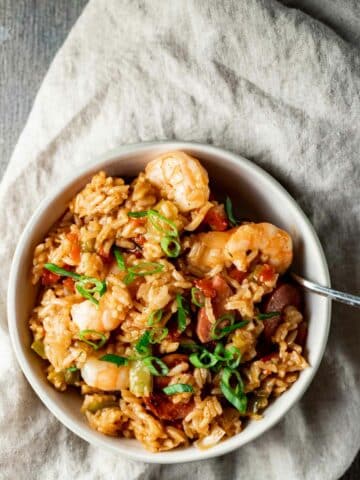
182 312
141 269
102 338
178 388
230 213
143 345
119 259
234 357
191 345
264 316
234 395
170 246
112 358
155 317
156 366
61 271
156 218
204 359
217 333
72 369
158 334
197 297
143 213
82 282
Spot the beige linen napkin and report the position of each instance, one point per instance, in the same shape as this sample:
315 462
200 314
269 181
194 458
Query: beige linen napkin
251 76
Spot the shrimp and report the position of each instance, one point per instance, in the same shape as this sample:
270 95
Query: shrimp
105 375
208 250
181 178
251 240
88 317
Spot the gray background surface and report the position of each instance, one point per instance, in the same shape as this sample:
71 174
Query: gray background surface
31 32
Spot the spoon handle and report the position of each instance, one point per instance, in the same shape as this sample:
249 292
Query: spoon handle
342 297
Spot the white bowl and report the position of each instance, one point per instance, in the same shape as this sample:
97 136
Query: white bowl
258 196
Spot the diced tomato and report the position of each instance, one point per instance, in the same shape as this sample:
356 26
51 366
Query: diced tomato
267 273
216 218
139 239
69 283
75 247
237 274
206 286
106 257
138 221
49 278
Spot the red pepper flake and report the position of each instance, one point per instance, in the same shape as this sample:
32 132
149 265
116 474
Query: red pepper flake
206 286
237 274
49 278
216 218
267 273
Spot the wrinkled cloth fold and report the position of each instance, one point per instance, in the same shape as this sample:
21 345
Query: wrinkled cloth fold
254 77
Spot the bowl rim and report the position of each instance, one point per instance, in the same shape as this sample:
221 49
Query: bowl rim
181 455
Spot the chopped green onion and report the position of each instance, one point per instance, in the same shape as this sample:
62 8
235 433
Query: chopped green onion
178 388
72 376
102 340
264 316
141 269
143 213
170 246
217 333
129 278
88 292
155 317
191 345
195 294
204 359
233 327
119 259
182 312
230 213
39 348
112 358
158 334
61 271
146 268
234 395
81 283
72 369
234 357
156 366
143 345
154 218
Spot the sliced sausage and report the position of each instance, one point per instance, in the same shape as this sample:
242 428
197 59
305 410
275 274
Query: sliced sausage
284 295
162 407
222 293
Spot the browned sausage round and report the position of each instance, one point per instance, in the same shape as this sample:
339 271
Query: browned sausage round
223 292
162 407
284 295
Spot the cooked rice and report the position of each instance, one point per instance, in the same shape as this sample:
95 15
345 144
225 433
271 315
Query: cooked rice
82 242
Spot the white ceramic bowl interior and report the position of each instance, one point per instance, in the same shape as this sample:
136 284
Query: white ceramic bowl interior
256 195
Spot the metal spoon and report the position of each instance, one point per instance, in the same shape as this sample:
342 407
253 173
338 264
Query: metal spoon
342 297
